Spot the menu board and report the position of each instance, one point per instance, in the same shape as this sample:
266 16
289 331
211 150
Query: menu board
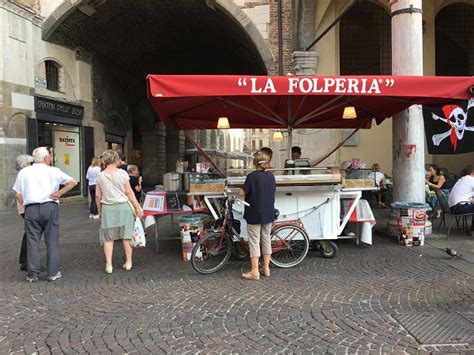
67 154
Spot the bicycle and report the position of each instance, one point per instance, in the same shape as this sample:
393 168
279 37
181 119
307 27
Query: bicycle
290 242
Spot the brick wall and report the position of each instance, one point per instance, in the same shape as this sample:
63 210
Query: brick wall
287 34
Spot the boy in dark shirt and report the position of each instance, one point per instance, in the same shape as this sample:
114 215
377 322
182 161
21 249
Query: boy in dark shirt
135 181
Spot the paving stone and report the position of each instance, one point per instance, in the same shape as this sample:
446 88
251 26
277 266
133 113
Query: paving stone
356 302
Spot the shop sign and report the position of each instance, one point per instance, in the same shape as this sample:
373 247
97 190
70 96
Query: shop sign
57 108
67 153
112 138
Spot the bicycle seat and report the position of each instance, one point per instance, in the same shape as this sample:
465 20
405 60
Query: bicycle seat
277 213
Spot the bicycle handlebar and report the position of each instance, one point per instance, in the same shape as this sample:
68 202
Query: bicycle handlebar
236 199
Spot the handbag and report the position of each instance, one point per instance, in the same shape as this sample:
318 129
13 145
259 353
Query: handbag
138 236
123 195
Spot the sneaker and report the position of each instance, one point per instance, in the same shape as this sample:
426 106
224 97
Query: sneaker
91 216
55 277
23 267
95 216
31 279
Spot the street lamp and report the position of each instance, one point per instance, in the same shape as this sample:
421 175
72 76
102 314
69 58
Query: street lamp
349 113
223 123
277 136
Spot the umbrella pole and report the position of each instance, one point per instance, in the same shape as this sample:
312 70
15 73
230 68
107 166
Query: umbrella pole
290 143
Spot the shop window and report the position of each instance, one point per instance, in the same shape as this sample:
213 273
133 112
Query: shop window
365 41
454 30
52 75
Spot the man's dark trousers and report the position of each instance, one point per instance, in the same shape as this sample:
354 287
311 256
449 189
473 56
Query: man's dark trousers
39 219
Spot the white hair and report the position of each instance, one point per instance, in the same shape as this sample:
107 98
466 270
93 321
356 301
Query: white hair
22 161
131 168
40 153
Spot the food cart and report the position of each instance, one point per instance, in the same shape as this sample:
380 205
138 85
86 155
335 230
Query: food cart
186 102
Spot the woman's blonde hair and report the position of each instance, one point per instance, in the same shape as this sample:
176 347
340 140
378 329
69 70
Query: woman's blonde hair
110 157
261 160
376 167
95 161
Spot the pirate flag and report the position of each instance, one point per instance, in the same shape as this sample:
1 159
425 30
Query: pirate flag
450 128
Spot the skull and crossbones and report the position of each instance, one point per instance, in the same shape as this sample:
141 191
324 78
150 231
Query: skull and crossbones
456 118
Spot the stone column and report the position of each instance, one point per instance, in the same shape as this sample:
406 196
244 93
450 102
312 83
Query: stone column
305 62
154 155
408 127
174 148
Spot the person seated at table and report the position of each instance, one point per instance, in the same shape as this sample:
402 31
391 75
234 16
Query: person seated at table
461 199
464 171
379 178
377 175
436 181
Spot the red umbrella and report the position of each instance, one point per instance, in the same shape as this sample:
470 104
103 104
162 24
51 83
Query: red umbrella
289 102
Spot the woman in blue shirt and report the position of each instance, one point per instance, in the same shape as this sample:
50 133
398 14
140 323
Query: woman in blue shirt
259 191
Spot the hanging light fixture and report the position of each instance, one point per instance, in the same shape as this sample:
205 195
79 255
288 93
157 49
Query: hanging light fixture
349 113
277 136
223 123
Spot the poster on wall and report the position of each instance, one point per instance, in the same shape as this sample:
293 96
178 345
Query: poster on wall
67 157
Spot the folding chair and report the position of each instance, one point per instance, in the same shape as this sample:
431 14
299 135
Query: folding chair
445 209
429 200
457 216
461 216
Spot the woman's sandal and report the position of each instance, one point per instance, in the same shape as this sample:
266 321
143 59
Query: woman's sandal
265 273
109 269
249 276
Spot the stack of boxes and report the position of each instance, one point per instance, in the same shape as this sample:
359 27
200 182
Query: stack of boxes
192 228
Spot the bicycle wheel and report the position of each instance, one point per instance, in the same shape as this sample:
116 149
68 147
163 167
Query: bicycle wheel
290 244
211 253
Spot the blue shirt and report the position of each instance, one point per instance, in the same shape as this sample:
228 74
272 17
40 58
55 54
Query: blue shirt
260 190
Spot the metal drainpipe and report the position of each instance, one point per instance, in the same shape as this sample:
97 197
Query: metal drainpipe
280 37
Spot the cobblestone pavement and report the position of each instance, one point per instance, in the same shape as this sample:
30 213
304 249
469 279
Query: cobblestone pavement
379 299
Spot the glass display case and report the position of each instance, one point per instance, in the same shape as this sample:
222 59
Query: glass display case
359 179
291 176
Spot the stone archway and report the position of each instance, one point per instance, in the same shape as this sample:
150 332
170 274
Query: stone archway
127 41
88 8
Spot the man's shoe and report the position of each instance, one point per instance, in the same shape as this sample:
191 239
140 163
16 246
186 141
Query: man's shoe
55 277
31 279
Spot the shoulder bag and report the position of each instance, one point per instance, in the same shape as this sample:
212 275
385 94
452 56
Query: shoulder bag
122 194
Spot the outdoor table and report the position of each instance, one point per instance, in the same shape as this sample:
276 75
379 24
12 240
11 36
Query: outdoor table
361 214
157 205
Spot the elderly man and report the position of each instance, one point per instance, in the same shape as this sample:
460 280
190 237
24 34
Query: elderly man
37 188
461 198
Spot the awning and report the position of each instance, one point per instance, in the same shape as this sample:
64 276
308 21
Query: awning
288 102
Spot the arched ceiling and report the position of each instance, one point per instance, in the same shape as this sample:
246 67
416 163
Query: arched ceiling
159 37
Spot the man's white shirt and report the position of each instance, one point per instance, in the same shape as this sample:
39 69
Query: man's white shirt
38 182
463 191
